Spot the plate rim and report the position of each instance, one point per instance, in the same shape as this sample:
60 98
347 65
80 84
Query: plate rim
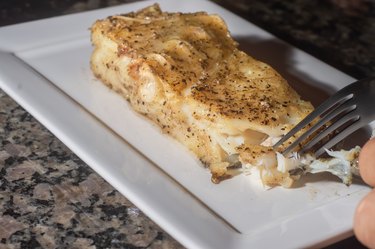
11 48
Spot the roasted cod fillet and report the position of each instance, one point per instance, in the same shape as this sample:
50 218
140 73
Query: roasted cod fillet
186 74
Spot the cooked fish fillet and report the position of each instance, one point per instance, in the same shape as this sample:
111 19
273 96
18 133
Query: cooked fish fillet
186 74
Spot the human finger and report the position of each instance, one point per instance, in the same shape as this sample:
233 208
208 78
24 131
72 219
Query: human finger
364 225
367 162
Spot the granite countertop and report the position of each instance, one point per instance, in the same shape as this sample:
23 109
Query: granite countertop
49 198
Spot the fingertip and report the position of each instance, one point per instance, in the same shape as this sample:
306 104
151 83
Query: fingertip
367 162
364 225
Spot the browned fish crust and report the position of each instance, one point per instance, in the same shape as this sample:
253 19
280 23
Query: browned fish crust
185 72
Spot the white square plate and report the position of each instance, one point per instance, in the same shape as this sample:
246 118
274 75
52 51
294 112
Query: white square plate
44 66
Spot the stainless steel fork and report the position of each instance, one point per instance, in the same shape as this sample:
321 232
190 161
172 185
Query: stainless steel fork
348 110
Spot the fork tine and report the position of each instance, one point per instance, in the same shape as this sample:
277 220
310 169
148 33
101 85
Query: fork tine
340 136
302 124
326 105
329 130
343 113
345 107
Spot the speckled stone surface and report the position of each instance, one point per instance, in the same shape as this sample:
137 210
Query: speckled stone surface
49 198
